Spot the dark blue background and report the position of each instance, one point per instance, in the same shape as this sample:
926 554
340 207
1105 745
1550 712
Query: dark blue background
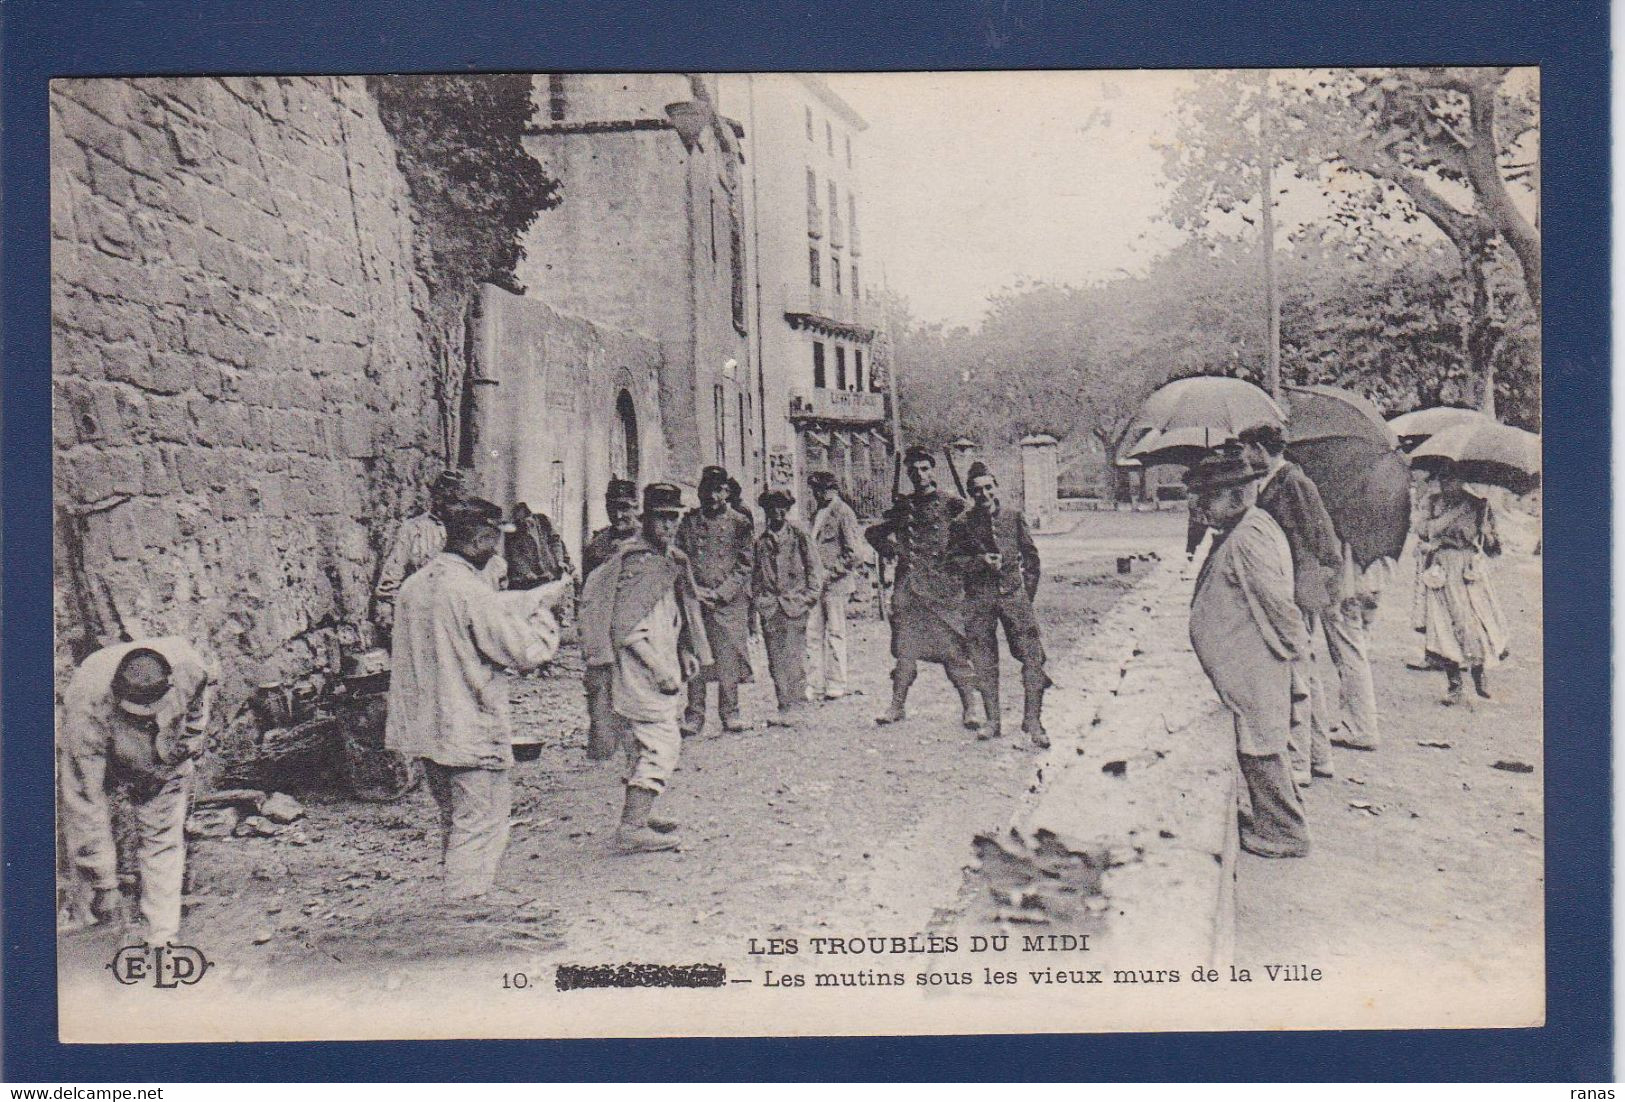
1569 40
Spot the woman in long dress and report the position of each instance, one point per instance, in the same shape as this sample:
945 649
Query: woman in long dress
1462 623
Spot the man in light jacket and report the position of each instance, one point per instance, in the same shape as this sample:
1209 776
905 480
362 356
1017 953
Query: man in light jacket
1248 633
839 543
133 722
640 613
448 703
785 584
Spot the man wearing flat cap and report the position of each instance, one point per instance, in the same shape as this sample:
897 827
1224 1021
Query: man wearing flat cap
927 607
448 703
839 543
718 542
419 539
994 554
785 584
132 728
1248 633
641 616
621 503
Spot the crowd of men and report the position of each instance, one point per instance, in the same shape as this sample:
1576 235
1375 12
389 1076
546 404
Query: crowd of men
669 597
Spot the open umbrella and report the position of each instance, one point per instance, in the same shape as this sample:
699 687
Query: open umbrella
1419 424
1342 443
1185 419
1483 451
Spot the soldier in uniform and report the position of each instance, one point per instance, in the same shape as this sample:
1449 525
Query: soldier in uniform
993 552
718 543
927 613
621 503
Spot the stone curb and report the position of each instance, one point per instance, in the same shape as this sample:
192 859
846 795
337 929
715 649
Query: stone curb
1131 835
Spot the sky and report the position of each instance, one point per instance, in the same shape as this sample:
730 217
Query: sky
974 182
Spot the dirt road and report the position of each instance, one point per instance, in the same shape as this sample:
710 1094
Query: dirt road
1428 851
837 826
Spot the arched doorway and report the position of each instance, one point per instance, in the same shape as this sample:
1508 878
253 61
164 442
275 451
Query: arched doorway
623 448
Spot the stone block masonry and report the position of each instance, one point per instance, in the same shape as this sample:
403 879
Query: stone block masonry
243 400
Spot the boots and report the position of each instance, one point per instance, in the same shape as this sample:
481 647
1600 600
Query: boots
899 702
994 725
1453 692
967 708
637 833
1481 684
1032 712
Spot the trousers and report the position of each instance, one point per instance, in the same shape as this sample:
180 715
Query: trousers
652 748
786 640
1273 823
727 702
604 727
159 818
475 805
984 612
826 641
1309 742
1347 643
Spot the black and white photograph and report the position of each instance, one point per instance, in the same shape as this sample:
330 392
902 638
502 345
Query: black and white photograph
587 554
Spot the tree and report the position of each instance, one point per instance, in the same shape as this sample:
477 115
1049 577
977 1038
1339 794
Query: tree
475 191
1387 149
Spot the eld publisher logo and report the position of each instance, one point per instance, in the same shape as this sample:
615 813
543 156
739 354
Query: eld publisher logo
166 965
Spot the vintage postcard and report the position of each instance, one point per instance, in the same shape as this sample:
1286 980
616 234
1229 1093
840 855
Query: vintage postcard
547 555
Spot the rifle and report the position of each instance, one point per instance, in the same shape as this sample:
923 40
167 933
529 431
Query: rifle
948 454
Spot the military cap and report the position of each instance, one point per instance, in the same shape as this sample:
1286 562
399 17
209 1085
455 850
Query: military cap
709 476
821 480
977 470
141 680
917 452
1217 472
775 499
662 497
620 490
471 513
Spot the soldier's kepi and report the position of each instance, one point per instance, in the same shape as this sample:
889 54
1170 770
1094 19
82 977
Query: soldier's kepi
994 554
928 620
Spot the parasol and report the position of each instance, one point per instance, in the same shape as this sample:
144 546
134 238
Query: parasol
1187 418
1419 424
1483 451
1342 443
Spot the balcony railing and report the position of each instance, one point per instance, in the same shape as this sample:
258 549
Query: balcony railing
851 406
805 300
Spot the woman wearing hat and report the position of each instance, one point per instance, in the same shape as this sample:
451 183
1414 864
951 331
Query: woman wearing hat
1462 625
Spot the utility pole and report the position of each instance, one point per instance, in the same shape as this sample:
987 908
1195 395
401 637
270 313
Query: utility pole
1272 304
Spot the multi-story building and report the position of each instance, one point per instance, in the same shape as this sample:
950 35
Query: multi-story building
651 238
823 404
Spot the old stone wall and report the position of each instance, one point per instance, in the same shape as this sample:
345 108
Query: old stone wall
243 403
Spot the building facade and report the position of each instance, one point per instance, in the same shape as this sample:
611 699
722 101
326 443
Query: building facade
823 402
651 239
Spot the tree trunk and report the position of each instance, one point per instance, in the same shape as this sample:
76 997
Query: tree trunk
1485 175
1480 362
